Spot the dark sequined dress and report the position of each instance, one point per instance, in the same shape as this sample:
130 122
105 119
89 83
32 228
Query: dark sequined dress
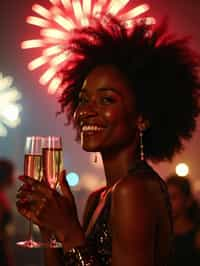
99 238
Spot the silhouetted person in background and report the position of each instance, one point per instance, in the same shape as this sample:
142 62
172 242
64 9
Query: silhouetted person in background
186 222
6 181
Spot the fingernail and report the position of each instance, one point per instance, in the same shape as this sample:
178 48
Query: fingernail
21 177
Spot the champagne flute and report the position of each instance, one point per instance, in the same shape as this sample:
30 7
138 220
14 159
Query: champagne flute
33 169
52 167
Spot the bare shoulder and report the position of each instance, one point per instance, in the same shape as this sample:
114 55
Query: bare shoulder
133 197
140 186
133 220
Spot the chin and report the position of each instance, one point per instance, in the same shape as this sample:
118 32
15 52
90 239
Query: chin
92 144
90 148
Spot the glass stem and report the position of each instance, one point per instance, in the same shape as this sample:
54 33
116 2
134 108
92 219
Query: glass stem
30 231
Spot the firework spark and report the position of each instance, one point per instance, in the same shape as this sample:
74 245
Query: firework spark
9 108
54 25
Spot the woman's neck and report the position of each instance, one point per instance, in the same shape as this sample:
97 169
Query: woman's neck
118 164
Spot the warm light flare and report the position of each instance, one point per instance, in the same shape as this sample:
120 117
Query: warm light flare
52 50
42 11
182 169
59 59
37 62
135 12
65 23
87 6
85 22
37 21
116 5
32 44
54 33
58 21
55 11
150 21
55 2
77 8
47 76
54 85
66 3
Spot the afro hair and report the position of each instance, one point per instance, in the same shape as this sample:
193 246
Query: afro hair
162 70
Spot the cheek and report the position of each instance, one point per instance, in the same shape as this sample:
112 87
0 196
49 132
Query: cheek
112 114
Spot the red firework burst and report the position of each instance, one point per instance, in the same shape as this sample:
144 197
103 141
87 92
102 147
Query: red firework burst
55 23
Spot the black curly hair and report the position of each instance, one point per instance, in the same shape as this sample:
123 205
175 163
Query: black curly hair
162 70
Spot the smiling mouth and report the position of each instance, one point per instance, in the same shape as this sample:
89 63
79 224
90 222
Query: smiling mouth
91 129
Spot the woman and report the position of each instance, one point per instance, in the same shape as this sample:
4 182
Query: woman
186 222
121 92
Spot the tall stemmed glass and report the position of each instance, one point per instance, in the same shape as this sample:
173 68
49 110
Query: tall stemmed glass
33 169
52 168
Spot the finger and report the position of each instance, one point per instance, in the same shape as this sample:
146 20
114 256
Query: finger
25 196
33 209
66 191
31 185
44 190
25 187
32 198
28 212
23 210
28 180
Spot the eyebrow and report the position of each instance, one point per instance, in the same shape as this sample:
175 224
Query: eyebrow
103 89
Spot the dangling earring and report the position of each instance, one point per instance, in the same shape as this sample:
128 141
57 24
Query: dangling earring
141 145
95 157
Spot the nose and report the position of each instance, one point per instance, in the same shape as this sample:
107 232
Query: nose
82 114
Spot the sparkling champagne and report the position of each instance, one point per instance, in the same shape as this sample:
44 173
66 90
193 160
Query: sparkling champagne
52 165
33 166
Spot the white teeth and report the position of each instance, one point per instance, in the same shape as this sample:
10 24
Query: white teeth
91 128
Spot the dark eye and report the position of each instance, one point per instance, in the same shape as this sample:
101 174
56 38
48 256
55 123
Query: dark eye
107 100
83 100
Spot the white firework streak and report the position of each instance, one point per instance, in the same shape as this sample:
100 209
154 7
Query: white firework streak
63 16
9 108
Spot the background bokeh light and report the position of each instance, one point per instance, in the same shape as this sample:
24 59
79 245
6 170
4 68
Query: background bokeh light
182 169
72 179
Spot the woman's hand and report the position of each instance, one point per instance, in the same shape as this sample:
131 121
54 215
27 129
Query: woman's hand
48 209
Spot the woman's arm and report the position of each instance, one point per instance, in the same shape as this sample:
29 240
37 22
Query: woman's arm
133 220
82 254
55 257
52 256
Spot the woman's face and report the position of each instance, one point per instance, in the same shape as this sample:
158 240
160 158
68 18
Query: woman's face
106 113
178 200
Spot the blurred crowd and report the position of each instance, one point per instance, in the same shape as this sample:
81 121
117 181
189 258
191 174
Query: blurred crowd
186 222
